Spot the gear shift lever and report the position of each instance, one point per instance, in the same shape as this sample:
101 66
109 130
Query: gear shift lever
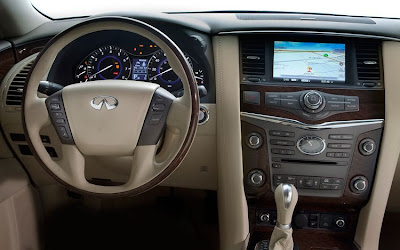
285 198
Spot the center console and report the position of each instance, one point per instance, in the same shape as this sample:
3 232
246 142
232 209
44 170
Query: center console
312 111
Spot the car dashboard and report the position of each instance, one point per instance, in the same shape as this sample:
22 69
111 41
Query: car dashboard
285 98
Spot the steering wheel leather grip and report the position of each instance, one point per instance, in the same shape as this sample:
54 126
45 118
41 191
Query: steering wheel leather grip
112 117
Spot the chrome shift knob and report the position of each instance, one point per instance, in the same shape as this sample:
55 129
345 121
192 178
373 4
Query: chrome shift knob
286 197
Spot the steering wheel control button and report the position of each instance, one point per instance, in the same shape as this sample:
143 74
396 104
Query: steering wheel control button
367 147
58 117
251 97
156 117
359 184
63 132
55 106
256 178
254 140
158 107
203 115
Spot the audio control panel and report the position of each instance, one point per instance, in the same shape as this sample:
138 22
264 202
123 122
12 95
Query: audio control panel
314 158
312 105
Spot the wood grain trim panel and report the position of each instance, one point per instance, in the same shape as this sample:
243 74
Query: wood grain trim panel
7 60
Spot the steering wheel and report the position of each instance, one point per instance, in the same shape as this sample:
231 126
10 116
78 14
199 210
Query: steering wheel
112 117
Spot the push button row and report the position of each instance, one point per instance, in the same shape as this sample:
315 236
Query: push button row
308 182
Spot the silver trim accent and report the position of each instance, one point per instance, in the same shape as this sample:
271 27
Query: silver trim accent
307 32
283 226
325 125
109 101
287 194
207 114
310 105
302 151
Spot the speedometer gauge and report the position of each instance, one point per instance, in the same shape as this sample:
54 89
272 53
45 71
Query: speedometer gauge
160 72
108 62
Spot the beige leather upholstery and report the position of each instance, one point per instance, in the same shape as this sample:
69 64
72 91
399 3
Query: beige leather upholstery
371 216
20 210
281 239
232 206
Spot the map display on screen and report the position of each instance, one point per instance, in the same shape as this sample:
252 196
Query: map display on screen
309 62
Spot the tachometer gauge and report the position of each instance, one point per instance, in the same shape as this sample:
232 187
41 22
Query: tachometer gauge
108 62
160 72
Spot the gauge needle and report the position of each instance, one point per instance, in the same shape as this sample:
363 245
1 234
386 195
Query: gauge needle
101 71
309 142
160 73
198 77
81 74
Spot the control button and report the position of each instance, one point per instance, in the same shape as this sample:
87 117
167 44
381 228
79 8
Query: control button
324 187
55 106
359 184
313 100
313 217
264 217
251 97
254 79
326 221
325 180
291 180
158 107
334 98
281 133
339 222
63 131
282 142
275 151
254 140
58 114
155 119
159 98
313 224
276 165
257 179
337 181
367 147
301 220
341 137
345 146
278 178
289 152
272 99
290 96
369 84
292 104
336 187
316 182
282 151
204 115
330 154
300 182
352 103
334 145
309 183
45 138
339 155
60 120
334 106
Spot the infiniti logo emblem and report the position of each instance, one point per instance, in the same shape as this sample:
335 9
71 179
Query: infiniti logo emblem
99 101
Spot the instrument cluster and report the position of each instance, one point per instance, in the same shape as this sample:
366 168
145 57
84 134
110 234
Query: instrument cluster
143 61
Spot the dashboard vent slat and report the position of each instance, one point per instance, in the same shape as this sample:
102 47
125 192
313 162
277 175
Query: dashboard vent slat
16 88
253 57
368 61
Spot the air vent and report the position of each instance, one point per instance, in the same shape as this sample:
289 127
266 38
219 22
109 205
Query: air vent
253 57
368 61
14 94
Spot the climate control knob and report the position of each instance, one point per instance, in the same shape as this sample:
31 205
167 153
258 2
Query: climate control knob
256 178
367 147
313 100
359 184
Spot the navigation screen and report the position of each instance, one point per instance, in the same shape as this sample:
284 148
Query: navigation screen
309 62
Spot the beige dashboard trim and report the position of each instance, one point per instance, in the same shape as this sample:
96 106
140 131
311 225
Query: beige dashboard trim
232 206
371 216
